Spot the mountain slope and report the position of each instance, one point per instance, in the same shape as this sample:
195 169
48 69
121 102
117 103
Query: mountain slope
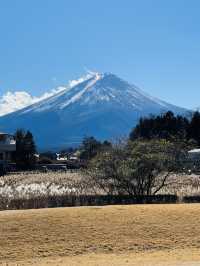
103 106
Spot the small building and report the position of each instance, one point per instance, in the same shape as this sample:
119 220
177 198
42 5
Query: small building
7 147
60 157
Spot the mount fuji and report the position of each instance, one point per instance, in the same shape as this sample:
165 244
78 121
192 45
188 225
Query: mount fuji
103 106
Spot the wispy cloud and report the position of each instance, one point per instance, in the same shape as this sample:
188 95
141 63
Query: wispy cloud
75 82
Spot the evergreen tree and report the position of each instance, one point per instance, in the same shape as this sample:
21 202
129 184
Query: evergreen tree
25 149
166 126
194 128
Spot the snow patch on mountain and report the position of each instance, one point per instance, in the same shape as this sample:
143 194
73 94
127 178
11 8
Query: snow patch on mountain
79 94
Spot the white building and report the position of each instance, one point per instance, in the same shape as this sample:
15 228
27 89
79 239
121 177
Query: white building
7 146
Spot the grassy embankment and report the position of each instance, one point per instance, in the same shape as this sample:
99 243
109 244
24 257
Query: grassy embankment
113 235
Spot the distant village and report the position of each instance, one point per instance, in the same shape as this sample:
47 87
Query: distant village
68 159
15 156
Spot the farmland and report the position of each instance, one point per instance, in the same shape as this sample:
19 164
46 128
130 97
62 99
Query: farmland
114 235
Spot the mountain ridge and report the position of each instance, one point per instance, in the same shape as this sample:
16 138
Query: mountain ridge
104 106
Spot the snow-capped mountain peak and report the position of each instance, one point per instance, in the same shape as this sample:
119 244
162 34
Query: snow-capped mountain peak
91 82
102 105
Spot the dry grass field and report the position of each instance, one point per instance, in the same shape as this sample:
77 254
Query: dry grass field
35 184
113 235
34 189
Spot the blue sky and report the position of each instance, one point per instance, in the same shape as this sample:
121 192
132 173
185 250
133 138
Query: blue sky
154 44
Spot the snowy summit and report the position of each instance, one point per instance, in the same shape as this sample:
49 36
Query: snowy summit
103 106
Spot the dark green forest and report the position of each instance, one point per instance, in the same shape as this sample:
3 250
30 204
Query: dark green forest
170 127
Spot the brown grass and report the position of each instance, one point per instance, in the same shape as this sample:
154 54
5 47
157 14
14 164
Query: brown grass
31 185
119 234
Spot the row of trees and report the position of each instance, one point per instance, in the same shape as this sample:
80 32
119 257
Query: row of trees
168 126
156 148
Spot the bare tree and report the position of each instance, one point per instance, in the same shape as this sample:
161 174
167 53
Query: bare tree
136 169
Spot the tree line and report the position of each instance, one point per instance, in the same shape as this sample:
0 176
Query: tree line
168 126
140 166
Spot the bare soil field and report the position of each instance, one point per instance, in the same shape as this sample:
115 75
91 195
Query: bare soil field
113 235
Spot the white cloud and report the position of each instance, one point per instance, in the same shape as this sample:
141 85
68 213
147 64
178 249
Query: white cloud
13 101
